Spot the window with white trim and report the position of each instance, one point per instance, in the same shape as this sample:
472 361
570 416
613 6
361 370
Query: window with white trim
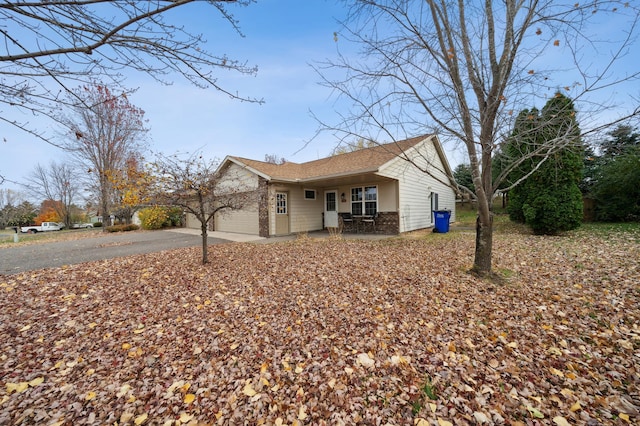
364 200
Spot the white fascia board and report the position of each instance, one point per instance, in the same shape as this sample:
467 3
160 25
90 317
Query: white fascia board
244 166
444 160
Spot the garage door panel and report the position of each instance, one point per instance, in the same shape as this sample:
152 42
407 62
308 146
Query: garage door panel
240 221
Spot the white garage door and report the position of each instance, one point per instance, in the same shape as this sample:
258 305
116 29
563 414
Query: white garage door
243 221
192 222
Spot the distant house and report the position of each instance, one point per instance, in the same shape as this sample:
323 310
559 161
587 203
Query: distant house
370 190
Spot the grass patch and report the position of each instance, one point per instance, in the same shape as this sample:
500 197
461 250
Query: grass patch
427 392
630 229
466 214
503 225
6 236
506 274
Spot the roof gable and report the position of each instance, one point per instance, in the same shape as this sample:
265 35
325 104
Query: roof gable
366 160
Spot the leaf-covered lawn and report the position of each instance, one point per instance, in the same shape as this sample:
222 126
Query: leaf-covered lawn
7 236
329 332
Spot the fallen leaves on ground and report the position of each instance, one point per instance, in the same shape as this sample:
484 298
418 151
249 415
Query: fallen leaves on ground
329 332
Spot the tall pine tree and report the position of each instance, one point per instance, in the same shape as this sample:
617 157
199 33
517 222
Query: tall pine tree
549 200
616 178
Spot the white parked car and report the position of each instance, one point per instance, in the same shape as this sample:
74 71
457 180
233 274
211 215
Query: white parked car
81 225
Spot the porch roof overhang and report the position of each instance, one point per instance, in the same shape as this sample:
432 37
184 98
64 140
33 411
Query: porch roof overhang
354 167
361 176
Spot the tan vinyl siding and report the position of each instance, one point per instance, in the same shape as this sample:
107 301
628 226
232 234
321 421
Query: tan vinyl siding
245 221
415 204
192 222
304 215
388 196
415 188
237 179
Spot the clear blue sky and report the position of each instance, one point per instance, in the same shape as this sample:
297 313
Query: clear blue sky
282 37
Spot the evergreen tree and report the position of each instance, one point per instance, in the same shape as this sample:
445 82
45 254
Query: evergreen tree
462 175
549 200
616 180
622 140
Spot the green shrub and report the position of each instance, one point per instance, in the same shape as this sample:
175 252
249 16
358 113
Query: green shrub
122 228
97 225
153 217
552 212
546 195
174 216
618 189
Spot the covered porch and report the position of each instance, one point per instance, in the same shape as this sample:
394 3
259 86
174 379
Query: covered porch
362 204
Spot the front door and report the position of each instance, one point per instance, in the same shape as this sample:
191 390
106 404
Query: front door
331 209
282 213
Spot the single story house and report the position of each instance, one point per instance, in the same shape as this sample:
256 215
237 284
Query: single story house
397 186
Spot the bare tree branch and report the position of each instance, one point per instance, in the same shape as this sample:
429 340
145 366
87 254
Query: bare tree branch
50 47
57 182
200 188
104 137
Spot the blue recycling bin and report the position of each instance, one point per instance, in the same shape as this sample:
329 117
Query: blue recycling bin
442 221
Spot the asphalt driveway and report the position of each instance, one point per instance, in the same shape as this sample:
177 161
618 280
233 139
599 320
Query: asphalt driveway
54 254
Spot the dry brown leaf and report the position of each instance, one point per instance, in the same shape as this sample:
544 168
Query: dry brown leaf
248 389
560 421
141 419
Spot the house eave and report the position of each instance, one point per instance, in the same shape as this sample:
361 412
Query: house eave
244 166
351 173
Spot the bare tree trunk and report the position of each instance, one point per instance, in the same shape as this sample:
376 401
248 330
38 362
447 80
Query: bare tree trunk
484 222
104 203
205 251
484 245
202 217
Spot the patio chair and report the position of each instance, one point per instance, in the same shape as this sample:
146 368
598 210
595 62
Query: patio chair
347 222
369 222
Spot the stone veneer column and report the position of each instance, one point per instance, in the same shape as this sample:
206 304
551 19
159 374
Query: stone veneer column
263 207
387 223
